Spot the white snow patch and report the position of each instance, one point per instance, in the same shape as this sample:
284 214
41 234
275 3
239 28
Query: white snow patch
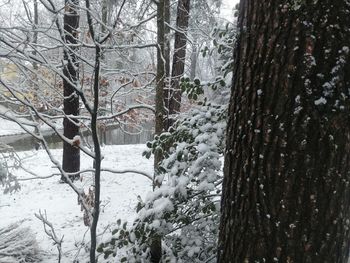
118 199
320 101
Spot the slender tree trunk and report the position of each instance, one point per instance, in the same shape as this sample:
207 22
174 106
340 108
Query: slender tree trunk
71 154
35 28
98 156
167 61
160 79
35 79
94 134
104 16
183 12
156 246
167 39
35 41
194 56
286 174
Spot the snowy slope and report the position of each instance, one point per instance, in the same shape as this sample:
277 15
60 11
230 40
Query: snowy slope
119 192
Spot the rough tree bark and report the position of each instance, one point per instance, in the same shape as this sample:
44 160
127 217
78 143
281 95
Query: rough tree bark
178 63
286 175
71 154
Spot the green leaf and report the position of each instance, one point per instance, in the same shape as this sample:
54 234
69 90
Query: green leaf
99 249
162 169
163 137
148 154
137 234
107 253
179 156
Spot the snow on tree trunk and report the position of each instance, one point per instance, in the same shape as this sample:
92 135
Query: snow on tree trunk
71 154
18 244
286 187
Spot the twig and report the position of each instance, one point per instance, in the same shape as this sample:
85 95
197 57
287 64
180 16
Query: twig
50 232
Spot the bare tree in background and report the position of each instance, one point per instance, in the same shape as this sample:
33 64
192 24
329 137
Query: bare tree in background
168 92
178 63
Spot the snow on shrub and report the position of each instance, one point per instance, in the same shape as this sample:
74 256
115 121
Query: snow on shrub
9 162
184 210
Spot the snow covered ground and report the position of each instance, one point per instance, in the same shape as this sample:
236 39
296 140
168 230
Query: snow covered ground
119 198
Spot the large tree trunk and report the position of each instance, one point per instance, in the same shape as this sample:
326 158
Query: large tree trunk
174 100
71 154
286 175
